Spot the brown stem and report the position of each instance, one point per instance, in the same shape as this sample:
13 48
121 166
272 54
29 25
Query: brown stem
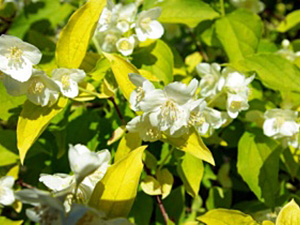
162 209
198 46
23 184
112 99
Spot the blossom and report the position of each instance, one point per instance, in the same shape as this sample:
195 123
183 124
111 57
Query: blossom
167 108
108 39
143 87
67 80
236 103
287 51
147 26
203 118
237 82
281 123
40 89
127 14
88 168
47 209
17 57
211 78
126 45
6 192
142 125
255 6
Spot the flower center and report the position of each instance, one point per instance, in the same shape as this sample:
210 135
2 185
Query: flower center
65 80
111 39
36 86
196 119
235 105
279 122
140 94
170 111
125 45
15 54
153 133
145 23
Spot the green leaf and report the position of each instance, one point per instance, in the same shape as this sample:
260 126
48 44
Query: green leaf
189 12
258 164
291 21
289 215
274 71
226 217
219 198
190 170
121 68
47 10
8 103
156 58
116 192
6 221
33 120
239 33
8 147
193 144
75 37
142 209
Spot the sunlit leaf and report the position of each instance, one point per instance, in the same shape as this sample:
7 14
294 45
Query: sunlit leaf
289 214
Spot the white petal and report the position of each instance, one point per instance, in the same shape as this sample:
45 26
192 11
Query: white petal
57 182
269 127
153 100
142 36
7 196
21 72
156 30
289 128
14 87
203 69
7 181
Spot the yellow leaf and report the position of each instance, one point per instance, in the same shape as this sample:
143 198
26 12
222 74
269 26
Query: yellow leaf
6 221
117 134
148 75
84 96
75 37
116 192
151 186
192 61
121 68
166 180
289 215
14 172
267 223
128 143
192 143
107 90
33 120
17 205
226 217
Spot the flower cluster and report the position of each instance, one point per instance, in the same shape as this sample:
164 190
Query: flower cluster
67 203
121 27
175 109
282 124
17 61
287 51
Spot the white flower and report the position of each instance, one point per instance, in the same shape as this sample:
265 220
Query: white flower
211 79
108 39
83 162
17 57
168 108
126 17
237 82
147 26
255 6
67 80
236 103
126 45
205 119
281 123
108 16
40 89
142 125
143 87
84 215
287 51
47 209
6 192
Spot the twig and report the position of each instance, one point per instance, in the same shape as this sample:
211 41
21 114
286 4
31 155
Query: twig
162 209
23 184
198 46
112 99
